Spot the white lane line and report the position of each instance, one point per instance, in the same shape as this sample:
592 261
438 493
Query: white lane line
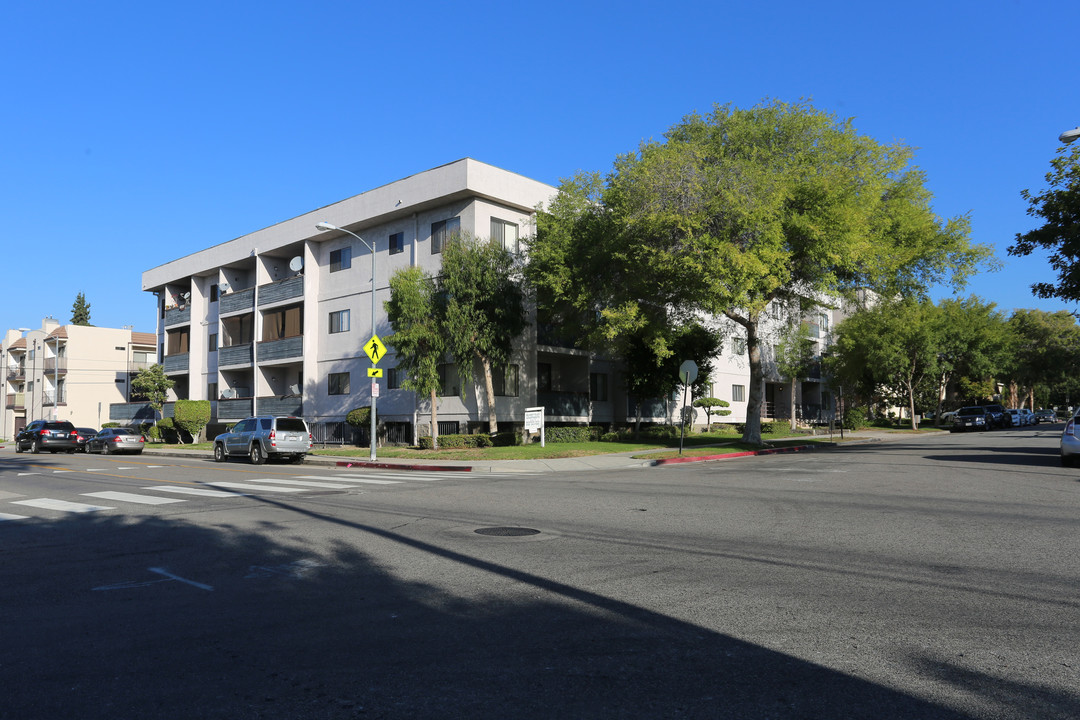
261 488
9 516
59 472
64 505
305 483
25 474
133 498
194 491
93 469
353 479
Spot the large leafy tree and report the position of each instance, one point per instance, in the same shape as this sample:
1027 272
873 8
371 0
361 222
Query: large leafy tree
80 311
739 210
1044 348
152 385
1058 207
972 346
485 309
417 315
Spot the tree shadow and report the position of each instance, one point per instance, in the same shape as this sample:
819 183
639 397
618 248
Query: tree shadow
115 616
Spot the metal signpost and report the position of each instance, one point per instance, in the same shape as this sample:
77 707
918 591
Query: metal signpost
687 375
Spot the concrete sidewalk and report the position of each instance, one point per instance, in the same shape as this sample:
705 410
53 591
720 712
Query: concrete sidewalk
607 461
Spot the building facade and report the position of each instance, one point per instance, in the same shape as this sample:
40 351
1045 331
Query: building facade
69 372
275 322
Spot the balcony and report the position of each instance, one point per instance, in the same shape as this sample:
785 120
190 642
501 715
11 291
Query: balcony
176 363
239 301
281 405
137 367
15 401
178 316
16 373
271 351
131 413
281 290
564 403
55 365
236 409
235 355
49 399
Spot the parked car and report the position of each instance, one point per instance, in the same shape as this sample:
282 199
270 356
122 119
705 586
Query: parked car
117 440
974 417
1018 417
1045 416
1029 417
998 417
52 435
82 434
263 438
1070 443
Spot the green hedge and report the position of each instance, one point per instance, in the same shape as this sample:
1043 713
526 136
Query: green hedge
767 427
572 434
456 442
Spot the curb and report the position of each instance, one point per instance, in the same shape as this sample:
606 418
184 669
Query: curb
743 453
403 466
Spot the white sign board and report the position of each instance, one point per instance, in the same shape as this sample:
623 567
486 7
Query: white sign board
374 388
534 420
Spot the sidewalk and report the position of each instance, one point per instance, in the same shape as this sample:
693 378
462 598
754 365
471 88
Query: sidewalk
608 461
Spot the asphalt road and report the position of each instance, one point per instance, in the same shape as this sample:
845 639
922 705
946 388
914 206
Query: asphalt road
928 577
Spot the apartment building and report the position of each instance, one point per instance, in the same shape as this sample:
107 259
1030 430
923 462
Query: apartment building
69 372
275 322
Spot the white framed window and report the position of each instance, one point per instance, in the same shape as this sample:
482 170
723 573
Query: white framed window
505 234
339 321
738 393
340 259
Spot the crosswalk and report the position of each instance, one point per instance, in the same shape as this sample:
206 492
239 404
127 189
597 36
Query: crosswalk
166 495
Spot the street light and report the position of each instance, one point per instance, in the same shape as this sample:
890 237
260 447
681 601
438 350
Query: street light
1069 135
324 226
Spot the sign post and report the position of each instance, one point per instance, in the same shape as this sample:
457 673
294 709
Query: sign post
375 351
534 420
687 375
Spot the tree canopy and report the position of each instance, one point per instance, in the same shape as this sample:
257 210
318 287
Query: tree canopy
80 311
737 210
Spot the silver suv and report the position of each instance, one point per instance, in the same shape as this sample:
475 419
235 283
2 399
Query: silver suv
263 437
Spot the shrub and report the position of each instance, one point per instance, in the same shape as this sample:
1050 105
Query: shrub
191 416
359 418
571 434
456 442
767 427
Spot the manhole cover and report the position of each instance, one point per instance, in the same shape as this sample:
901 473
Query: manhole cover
507 531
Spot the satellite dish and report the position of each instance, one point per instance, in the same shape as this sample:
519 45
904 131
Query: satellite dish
296 264
186 296
224 287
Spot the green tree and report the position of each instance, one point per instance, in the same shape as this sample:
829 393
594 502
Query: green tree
485 309
971 344
738 211
1059 207
152 385
709 405
795 356
191 416
80 311
1044 348
419 340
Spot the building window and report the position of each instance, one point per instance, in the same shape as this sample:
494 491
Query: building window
340 259
394 378
211 342
397 243
448 379
738 393
177 341
339 321
211 391
738 346
543 377
505 380
505 234
284 323
337 383
442 232
237 330
213 293
598 387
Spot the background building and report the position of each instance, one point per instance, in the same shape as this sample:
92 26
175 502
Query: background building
69 372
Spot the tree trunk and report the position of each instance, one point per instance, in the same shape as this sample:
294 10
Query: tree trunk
489 387
752 431
911 403
434 419
794 422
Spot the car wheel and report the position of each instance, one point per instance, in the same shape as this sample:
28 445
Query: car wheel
298 460
1068 460
18 447
106 449
219 452
256 455
34 447
71 451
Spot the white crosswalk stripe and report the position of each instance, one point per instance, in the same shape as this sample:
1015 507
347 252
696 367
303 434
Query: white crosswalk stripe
303 483
62 505
194 491
261 488
133 498
353 479
9 516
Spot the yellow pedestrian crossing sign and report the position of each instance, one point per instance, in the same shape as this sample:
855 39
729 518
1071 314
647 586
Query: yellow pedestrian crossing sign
374 349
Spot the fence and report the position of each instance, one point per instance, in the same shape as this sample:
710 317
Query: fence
341 433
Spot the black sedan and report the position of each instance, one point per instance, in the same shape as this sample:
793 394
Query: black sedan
82 434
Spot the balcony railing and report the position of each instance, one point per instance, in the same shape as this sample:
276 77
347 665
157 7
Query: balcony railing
284 349
49 399
281 290
178 316
235 355
137 367
237 409
15 401
236 301
55 364
281 405
176 363
564 404
16 372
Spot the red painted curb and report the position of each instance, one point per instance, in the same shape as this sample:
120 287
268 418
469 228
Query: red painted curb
397 466
727 456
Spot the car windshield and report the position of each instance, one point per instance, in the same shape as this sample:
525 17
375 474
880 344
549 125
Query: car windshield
970 411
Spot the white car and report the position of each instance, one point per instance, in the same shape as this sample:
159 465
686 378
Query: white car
1017 416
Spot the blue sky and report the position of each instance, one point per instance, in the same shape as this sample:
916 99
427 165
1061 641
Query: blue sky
133 133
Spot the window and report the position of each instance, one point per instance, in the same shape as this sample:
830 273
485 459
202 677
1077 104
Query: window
237 330
738 346
448 379
211 391
505 380
824 322
505 234
284 323
177 341
598 387
337 383
442 232
339 321
211 342
340 259
397 243
213 293
394 378
738 393
543 377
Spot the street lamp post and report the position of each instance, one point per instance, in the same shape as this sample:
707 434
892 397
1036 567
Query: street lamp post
324 226
1069 135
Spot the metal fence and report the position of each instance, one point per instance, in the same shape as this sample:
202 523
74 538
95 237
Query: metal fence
341 433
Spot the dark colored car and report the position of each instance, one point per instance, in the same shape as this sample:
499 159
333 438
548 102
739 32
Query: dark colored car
81 436
116 440
52 435
999 418
1045 416
265 437
974 417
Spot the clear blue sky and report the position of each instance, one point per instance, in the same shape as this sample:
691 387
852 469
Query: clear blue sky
134 133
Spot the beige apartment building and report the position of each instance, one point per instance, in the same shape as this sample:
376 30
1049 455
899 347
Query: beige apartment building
69 372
